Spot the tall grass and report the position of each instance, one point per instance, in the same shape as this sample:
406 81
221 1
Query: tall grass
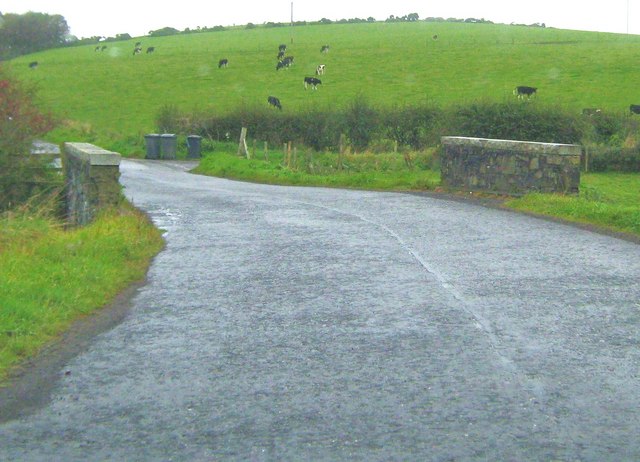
50 277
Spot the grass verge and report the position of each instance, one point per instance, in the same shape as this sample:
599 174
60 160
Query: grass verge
360 171
50 277
607 200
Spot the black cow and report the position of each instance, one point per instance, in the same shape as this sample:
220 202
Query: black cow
524 91
33 64
275 102
151 50
285 63
223 63
104 47
280 55
138 44
435 37
324 49
313 81
634 109
97 48
282 48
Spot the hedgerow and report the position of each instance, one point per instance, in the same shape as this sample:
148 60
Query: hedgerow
365 127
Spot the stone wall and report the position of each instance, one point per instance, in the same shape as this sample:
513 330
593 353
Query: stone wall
92 176
509 167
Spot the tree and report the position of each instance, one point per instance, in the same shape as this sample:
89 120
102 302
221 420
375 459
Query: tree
31 32
21 174
165 31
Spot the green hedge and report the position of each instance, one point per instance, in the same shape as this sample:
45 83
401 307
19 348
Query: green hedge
366 127
614 159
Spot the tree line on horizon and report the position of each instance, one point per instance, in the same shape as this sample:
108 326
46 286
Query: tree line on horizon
22 34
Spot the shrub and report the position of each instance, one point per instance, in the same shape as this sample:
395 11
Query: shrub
22 175
525 121
614 159
416 127
361 123
171 119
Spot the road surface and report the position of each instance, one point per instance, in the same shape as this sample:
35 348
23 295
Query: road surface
322 324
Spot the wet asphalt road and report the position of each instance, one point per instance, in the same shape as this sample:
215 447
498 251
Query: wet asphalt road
316 324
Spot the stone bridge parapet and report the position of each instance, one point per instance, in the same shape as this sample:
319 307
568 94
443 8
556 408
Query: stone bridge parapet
509 167
92 176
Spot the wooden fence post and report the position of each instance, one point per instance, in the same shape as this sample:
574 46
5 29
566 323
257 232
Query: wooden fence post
586 159
341 150
242 145
308 157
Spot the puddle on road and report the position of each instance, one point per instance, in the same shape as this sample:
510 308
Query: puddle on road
166 219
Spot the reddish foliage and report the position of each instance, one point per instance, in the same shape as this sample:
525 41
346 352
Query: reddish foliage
20 119
21 174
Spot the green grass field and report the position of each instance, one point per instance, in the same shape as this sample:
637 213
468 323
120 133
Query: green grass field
113 97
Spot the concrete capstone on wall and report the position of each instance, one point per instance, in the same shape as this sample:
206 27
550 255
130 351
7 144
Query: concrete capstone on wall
509 167
92 176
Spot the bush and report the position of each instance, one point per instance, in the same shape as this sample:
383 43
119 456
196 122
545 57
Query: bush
361 123
415 127
22 175
419 128
614 159
170 119
524 121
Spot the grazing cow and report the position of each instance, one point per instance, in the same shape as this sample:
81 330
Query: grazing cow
33 64
138 44
280 55
524 91
313 81
285 63
282 48
137 50
634 109
97 48
104 47
275 102
324 49
320 69
591 111
223 63
435 37
151 50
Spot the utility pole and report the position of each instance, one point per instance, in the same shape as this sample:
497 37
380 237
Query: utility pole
627 17
291 23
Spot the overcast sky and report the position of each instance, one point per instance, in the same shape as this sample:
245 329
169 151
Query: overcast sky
138 17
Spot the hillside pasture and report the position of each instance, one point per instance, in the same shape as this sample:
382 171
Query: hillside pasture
114 95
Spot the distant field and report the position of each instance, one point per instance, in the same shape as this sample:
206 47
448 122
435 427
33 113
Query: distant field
111 95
